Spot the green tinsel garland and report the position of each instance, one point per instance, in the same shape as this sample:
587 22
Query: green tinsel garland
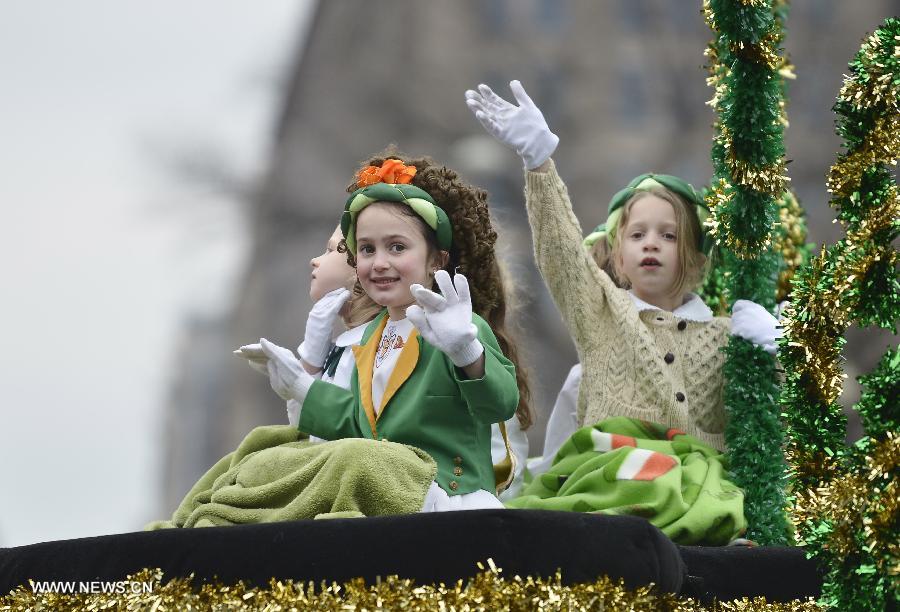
790 244
747 71
847 498
712 292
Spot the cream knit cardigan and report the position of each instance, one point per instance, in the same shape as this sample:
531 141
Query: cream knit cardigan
623 351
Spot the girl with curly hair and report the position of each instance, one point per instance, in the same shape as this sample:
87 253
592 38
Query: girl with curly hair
434 370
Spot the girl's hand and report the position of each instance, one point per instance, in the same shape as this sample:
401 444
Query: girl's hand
286 374
521 127
445 321
752 322
319 327
255 357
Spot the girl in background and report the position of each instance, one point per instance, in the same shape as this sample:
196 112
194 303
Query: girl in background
322 354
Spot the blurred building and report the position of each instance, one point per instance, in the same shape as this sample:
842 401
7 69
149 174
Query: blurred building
621 82
192 433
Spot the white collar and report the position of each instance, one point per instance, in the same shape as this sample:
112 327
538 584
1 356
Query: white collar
351 336
403 326
693 308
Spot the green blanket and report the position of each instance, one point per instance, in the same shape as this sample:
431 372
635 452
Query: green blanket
626 466
275 476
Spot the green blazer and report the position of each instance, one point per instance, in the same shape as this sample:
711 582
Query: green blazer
428 403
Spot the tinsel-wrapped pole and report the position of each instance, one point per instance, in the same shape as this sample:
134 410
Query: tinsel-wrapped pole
747 72
847 498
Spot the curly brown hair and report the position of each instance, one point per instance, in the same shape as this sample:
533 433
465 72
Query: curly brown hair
472 254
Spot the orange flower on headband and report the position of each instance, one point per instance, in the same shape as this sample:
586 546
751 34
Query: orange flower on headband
391 171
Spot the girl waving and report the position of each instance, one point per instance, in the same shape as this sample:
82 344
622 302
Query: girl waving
435 369
649 350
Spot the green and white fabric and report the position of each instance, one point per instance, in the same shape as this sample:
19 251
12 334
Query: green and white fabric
627 466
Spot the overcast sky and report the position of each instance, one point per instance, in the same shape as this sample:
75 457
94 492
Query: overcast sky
104 248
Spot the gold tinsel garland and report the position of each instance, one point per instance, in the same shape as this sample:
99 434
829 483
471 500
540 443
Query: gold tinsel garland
769 179
838 304
486 591
718 72
829 314
849 518
881 145
880 524
820 354
870 492
789 242
764 52
878 89
841 301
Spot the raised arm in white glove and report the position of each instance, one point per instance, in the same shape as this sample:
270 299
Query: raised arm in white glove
521 127
320 327
752 322
445 321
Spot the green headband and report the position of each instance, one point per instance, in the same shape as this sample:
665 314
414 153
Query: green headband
646 182
417 199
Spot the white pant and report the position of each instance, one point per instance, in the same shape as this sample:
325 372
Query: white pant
437 500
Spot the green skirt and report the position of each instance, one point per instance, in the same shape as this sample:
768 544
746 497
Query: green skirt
627 466
275 476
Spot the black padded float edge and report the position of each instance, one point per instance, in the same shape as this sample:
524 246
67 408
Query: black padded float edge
778 573
429 548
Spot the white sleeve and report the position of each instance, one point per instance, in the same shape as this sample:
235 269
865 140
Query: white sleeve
563 421
299 391
293 412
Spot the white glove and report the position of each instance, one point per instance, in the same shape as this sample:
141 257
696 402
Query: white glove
255 357
445 321
320 326
752 322
286 374
522 127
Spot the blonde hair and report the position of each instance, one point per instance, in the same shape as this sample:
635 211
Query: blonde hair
362 308
687 228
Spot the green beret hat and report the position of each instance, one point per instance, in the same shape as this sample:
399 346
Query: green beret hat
646 182
417 199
